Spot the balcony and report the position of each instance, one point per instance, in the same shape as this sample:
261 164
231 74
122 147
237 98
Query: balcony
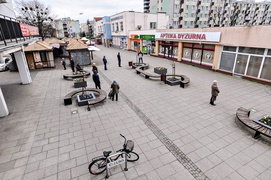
13 32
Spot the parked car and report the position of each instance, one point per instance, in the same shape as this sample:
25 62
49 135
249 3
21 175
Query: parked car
4 66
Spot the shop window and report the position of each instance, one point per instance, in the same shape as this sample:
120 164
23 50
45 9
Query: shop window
266 69
229 48
269 52
254 66
227 61
251 50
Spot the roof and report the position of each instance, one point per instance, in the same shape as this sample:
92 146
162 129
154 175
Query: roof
98 18
76 44
54 41
38 46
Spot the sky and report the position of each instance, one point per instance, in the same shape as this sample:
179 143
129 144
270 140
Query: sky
87 9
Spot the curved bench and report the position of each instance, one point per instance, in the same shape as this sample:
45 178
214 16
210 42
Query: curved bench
80 75
242 115
140 70
100 98
184 79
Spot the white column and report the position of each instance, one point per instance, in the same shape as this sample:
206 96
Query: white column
3 105
23 67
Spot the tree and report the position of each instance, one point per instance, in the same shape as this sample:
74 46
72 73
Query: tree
37 14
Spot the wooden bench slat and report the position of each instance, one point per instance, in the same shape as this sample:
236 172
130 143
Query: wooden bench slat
242 115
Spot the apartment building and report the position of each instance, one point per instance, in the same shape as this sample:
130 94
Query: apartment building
210 13
66 27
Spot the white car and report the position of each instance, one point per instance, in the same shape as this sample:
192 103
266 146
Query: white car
4 66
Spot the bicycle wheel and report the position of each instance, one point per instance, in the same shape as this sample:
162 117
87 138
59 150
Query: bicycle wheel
97 167
132 156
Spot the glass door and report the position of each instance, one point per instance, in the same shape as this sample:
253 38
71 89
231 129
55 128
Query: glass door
241 64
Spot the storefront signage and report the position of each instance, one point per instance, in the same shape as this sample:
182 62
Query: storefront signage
190 36
147 37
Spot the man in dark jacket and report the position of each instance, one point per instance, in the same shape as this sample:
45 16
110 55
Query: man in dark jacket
72 65
115 89
215 92
94 67
119 59
105 62
96 79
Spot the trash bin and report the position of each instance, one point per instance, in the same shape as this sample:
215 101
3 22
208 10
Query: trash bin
163 77
130 63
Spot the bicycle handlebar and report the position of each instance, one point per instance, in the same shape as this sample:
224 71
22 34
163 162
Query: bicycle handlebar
124 138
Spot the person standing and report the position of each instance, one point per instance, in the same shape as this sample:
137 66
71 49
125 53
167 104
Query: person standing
94 67
105 62
63 63
96 79
119 59
115 90
215 92
72 65
140 57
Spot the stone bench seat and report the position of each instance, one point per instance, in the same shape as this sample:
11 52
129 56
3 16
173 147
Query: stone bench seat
242 115
79 75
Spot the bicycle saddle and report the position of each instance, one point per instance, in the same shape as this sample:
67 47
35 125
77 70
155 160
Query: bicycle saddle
107 153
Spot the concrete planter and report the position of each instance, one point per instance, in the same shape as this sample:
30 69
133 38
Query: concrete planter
160 71
172 82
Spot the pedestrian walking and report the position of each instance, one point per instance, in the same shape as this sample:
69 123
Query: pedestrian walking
63 62
115 90
96 79
119 59
105 62
215 92
140 57
94 67
72 65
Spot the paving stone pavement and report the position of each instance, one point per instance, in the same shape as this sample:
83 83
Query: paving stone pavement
177 133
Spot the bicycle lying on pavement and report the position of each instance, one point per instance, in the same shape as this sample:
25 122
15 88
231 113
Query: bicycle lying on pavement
98 164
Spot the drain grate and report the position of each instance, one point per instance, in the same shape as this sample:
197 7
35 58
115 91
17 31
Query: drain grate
180 156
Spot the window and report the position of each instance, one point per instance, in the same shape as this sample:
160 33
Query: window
153 25
269 52
43 56
113 28
251 50
117 27
229 48
254 66
121 26
266 69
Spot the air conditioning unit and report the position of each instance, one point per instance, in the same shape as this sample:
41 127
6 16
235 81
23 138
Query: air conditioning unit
138 27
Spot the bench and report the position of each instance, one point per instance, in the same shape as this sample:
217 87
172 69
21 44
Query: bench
242 115
100 98
184 79
140 70
79 75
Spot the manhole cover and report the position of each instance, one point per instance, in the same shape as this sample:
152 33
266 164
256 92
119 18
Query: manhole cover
74 112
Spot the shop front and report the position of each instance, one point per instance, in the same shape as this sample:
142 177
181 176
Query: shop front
195 47
148 44
135 42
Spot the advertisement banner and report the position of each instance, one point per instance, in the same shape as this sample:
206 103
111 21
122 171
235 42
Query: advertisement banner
28 30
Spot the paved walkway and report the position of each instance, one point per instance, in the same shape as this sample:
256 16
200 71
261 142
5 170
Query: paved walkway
177 133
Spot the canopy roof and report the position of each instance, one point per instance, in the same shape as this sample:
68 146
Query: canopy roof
76 44
38 46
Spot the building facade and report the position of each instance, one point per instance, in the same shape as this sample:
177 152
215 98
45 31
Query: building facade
66 27
126 21
244 51
210 13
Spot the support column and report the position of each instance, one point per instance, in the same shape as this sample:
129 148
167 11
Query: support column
22 67
3 106
180 51
216 56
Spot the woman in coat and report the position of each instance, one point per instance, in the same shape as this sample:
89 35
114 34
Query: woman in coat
115 90
215 92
